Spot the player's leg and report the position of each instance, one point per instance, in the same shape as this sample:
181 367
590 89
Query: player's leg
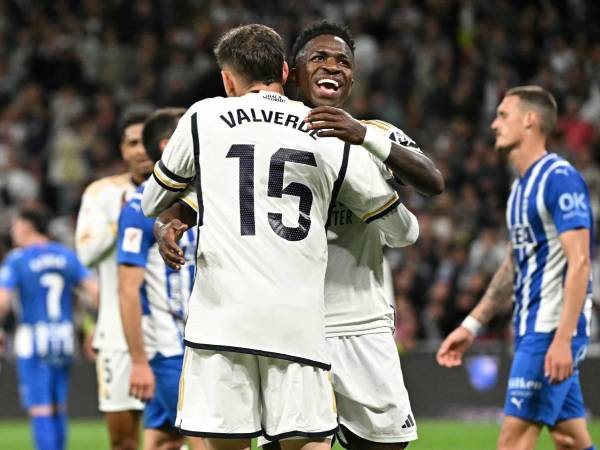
122 412
123 429
298 405
518 434
160 432
373 405
219 399
60 389
35 386
571 434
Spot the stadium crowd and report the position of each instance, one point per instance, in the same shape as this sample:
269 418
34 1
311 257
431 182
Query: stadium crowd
435 68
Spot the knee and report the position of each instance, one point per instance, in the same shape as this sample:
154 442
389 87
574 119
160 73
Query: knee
563 441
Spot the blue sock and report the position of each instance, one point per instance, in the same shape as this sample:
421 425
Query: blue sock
44 433
60 426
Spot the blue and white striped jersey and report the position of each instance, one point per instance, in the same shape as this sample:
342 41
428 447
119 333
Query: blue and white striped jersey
165 292
43 276
549 199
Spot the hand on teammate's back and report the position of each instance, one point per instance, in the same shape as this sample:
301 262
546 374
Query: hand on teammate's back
558 364
453 347
335 122
167 236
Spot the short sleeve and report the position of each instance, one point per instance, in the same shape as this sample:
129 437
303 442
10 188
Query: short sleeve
135 236
364 190
9 277
567 199
175 170
80 272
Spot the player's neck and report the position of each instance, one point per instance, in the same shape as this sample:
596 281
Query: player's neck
527 154
35 239
273 87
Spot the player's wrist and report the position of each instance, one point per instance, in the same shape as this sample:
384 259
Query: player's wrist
472 325
377 144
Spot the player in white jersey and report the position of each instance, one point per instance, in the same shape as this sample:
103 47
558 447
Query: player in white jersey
153 301
547 273
358 302
95 239
265 185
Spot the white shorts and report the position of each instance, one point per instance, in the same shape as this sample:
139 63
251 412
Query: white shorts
113 368
372 400
238 396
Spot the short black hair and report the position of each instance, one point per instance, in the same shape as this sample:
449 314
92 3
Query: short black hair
38 216
319 29
132 116
255 52
158 126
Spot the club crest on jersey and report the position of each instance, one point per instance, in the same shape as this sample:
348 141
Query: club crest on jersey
522 235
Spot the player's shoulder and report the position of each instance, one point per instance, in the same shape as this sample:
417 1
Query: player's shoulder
108 184
394 133
559 168
14 255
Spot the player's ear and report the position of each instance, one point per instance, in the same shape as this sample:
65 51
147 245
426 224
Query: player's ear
529 119
285 71
228 83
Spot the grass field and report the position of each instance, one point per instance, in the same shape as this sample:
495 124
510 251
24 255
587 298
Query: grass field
434 435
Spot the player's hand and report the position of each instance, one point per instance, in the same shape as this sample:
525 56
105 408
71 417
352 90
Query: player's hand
335 122
558 365
88 348
453 347
167 236
141 381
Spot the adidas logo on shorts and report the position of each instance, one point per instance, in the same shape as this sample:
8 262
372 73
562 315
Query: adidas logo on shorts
410 422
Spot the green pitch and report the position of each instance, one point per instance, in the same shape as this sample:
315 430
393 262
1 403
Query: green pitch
434 435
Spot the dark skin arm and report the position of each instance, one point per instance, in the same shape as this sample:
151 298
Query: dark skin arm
168 229
412 168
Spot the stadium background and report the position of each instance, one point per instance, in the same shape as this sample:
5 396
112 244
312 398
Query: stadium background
435 68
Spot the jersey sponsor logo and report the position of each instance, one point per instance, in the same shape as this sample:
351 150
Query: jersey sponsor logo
132 240
522 235
573 204
523 383
572 200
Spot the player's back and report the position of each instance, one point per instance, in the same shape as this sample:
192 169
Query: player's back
44 277
266 187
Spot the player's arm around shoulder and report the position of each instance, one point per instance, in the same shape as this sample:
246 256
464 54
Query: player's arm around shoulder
368 195
386 142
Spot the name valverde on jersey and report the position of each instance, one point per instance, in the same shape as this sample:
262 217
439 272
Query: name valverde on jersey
165 292
44 277
548 200
266 186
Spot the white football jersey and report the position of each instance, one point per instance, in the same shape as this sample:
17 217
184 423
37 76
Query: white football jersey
266 185
359 295
95 241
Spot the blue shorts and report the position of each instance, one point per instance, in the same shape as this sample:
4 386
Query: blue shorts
161 410
530 396
43 381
